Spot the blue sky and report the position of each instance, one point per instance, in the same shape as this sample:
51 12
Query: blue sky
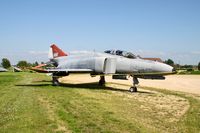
151 28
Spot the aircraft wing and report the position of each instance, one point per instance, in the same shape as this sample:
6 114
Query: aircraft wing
70 70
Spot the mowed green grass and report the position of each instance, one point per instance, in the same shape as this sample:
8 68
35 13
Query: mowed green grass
189 72
29 103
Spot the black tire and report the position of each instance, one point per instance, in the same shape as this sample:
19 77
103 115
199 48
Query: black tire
133 89
102 81
55 82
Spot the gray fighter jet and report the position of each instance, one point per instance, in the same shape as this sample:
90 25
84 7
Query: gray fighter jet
3 69
117 63
16 69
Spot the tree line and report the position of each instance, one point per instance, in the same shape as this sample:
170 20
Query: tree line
21 64
178 66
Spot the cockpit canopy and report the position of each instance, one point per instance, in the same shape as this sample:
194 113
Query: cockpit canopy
121 53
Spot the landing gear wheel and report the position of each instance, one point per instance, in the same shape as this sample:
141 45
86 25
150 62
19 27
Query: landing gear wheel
133 89
102 81
55 82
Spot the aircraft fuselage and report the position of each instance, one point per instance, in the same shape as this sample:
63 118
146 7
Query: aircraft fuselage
103 63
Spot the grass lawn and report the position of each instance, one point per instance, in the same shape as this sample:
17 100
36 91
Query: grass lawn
29 103
190 72
195 72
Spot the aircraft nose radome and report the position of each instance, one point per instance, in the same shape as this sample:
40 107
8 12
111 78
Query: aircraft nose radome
169 68
165 68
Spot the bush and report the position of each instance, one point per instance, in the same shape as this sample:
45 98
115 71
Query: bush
190 69
5 63
23 64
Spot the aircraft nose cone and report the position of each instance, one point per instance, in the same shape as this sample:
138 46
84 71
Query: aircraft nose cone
162 67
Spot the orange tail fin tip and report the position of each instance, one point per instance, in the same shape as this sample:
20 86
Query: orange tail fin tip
57 52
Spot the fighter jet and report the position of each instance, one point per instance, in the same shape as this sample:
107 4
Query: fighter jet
16 69
3 69
120 64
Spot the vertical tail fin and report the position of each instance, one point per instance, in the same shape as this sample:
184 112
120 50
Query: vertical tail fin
55 52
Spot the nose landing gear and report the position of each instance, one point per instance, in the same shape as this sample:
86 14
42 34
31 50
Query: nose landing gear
134 88
55 81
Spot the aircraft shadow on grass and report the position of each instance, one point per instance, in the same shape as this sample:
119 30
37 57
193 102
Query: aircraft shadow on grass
92 86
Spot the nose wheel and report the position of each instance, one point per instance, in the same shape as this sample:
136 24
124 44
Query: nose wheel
55 81
134 88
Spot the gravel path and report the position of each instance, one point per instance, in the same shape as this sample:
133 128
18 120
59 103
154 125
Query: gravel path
184 83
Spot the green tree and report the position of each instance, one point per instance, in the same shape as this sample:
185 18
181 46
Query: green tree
35 64
170 62
23 64
5 63
199 66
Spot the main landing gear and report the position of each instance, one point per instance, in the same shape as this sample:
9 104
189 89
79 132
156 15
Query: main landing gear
55 81
102 81
134 88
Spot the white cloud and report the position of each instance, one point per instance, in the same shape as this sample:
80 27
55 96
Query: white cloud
190 57
30 56
38 52
195 52
150 53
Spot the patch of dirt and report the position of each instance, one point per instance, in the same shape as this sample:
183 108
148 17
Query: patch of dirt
183 83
